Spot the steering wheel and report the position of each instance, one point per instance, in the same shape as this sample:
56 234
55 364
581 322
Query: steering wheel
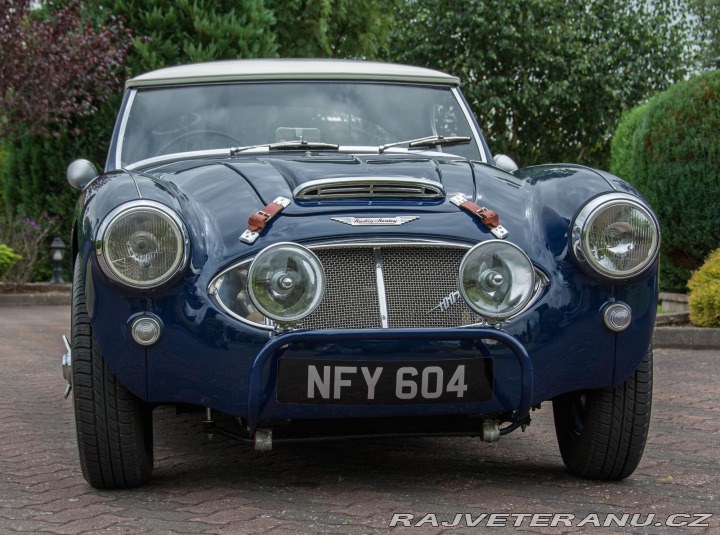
176 139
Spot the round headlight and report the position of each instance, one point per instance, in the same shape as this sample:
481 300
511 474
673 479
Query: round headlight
142 244
286 282
496 279
615 236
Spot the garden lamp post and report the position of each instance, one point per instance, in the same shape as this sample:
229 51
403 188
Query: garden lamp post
57 253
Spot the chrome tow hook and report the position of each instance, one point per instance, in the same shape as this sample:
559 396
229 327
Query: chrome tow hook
67 366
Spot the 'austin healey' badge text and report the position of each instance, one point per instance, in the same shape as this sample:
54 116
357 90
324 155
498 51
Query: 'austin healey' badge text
375 221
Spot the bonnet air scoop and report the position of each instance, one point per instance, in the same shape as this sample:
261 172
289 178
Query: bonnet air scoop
370 187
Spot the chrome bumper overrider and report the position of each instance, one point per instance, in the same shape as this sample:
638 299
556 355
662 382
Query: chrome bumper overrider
67 366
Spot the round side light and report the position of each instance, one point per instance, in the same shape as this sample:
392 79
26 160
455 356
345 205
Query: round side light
146 331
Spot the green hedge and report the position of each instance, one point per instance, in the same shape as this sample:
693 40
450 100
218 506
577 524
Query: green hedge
669 149
704 295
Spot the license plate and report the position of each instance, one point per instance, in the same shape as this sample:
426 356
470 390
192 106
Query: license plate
373 382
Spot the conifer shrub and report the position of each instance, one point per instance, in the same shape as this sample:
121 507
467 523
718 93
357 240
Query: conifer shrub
669 149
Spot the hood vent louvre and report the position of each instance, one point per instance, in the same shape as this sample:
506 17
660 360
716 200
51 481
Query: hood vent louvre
355 188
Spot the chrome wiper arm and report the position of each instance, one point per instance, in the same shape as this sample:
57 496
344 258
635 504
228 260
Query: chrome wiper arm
287 145
430 141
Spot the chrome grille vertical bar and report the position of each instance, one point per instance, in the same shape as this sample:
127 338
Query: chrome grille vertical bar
382 297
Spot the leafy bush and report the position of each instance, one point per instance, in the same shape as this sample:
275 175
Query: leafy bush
28 238
670 151
7 258
704 295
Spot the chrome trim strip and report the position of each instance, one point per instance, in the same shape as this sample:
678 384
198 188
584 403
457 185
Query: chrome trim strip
225 153
365 187
121 130
389 242
471 122
382 296
138 205
269 325
178 156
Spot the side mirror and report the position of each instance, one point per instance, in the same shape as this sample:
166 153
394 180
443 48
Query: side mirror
505 163
80 173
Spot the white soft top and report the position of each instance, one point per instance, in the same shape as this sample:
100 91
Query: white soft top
290 69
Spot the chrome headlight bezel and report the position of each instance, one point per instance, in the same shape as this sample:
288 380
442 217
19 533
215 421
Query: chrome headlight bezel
106 226
522 305
580 230
318 270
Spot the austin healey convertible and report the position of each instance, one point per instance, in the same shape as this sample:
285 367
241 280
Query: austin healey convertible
329 249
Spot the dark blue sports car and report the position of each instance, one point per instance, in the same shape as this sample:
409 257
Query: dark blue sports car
329 249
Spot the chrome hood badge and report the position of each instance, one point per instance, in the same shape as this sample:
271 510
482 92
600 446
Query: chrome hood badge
375 221
447 302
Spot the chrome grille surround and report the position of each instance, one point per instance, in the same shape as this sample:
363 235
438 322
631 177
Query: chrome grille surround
419 280
370 187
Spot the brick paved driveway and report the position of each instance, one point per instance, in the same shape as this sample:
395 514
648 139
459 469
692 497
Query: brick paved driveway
220 486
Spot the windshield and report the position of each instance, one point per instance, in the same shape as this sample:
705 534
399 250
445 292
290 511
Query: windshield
191 118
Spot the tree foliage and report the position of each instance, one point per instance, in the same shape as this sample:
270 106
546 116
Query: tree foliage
175 32
333 28
669 150
548 79
56 65
706 15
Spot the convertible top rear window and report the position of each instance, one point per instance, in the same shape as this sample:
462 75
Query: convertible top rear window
181 119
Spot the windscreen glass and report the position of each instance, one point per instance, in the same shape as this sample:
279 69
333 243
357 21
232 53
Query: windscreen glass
201 117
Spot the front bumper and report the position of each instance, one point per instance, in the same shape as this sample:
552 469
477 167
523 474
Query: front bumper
208 359
262 396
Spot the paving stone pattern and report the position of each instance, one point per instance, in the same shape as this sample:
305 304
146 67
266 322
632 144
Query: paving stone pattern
224 487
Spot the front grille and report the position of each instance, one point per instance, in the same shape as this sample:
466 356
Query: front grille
417 279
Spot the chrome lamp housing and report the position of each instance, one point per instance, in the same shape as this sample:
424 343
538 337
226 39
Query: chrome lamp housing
142 244
615 237
496 279
286 282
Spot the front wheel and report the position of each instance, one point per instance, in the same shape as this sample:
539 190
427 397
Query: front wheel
602 432
114 428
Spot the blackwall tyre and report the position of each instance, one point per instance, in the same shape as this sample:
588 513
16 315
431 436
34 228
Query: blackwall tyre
602 433
114 428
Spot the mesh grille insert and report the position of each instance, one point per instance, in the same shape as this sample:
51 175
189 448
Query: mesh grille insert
351 296
417 280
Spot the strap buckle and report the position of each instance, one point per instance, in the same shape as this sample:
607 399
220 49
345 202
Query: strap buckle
258 220
489 218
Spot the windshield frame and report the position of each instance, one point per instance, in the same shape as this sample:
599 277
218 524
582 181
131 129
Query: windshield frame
114 161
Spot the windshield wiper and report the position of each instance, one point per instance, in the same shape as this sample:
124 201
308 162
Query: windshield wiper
288 145
430 141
